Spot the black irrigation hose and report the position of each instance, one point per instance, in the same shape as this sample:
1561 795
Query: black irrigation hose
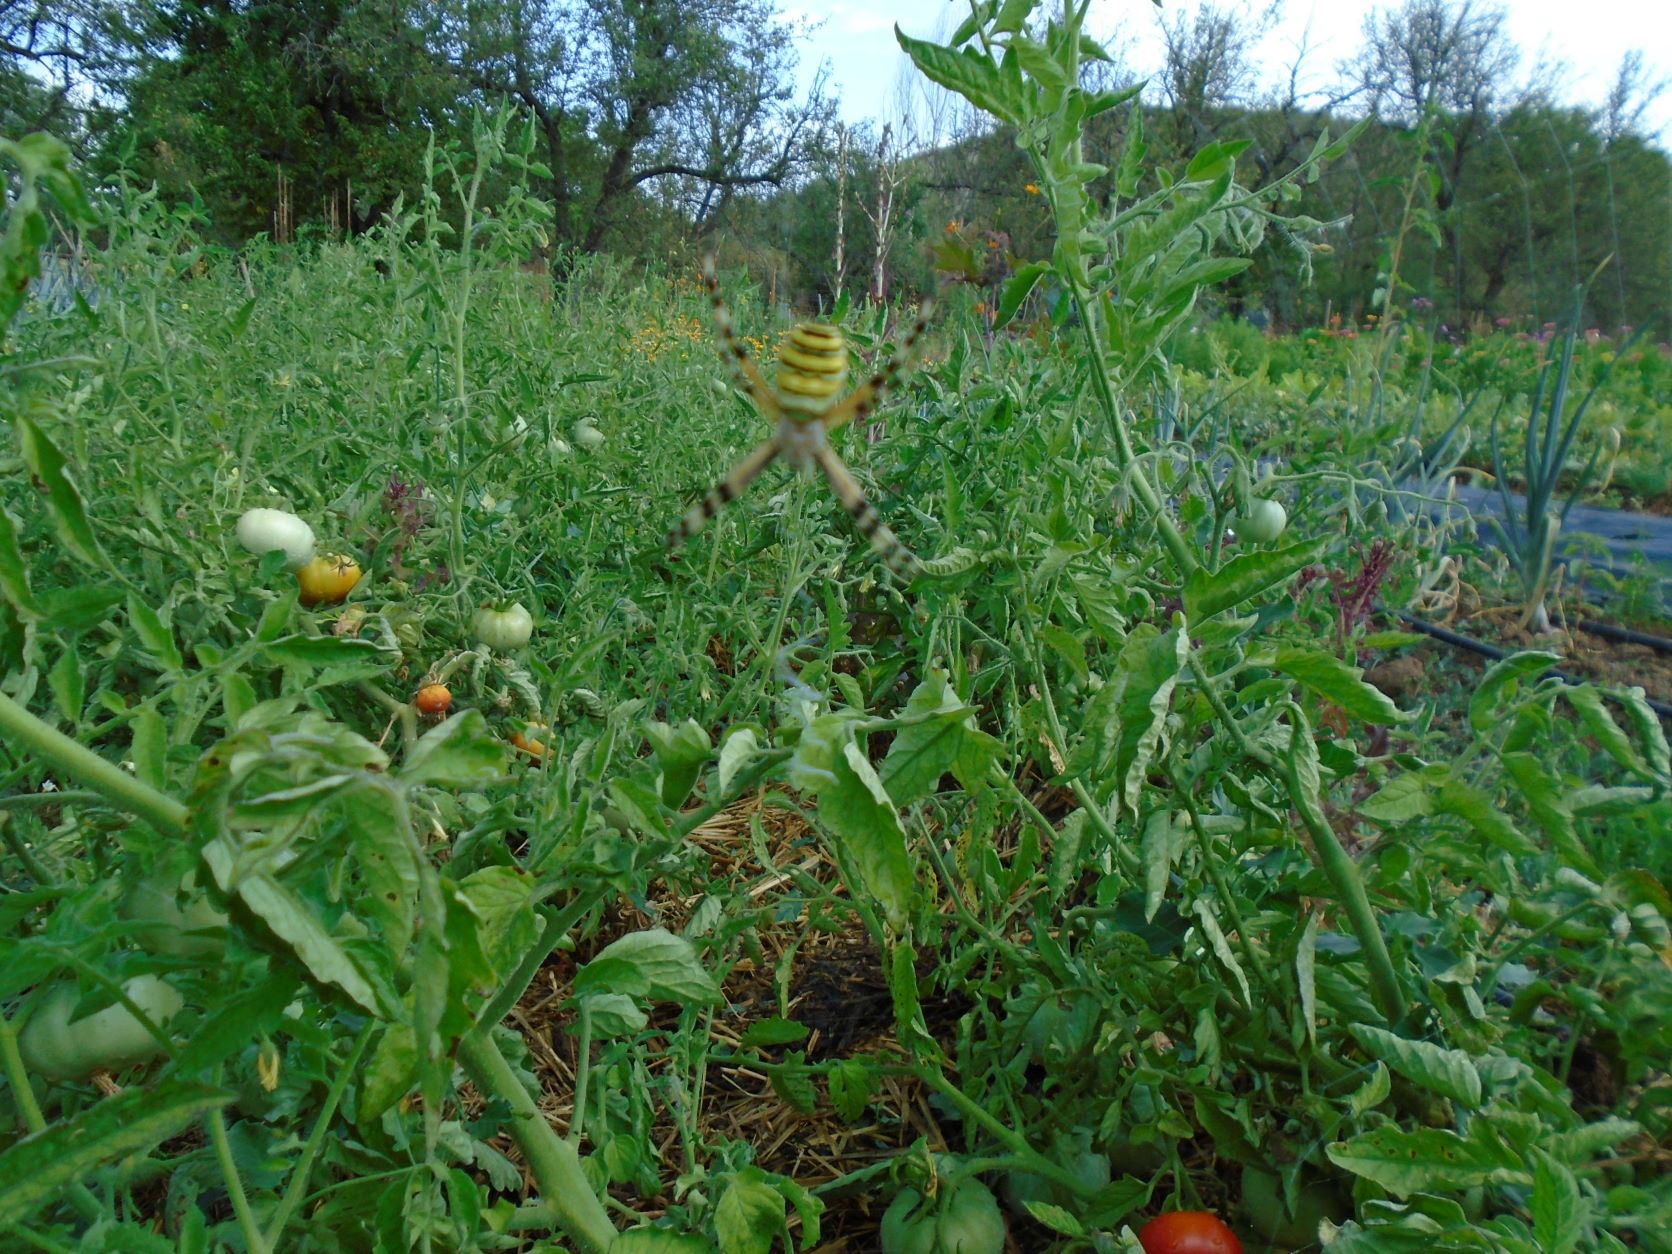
1492 651
1624 635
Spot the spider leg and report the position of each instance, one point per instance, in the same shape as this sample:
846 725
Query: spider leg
895 555
733 352
858 405
723 493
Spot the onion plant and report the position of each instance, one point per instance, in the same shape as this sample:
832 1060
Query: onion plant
1529 527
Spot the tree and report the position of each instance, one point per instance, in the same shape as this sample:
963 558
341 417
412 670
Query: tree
54 55
1206 68
695 97
328 97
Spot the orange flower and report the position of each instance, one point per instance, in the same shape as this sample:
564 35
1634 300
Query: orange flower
954 226
1032 189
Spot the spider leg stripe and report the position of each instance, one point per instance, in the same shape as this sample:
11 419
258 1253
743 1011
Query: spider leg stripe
895 555
858 406
723 493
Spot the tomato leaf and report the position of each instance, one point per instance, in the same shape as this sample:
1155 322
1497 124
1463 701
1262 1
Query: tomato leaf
749 1215
63 498
1448 1072
664 967
1431 1159
14 575
154 635
294 924
681 752
457 753
1246 576
870 842
1500 677
1340 683
34 1168
235 1021
939 736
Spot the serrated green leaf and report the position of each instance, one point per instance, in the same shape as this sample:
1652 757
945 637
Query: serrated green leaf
740 748
1055 1218
1247 576
1405 797
390 1072
14 575
1340 683
1162 840
681 752
1019 285
1430 1159
1373 1092
333 651
969 73
154 635
457 753
871 843
234 1021
1609 734
150 748
37 1166
663 965
1547 802
749 1215
774 1031
288 917
68 683
1448 1072
939 736
63 498
852 1083
1518 667
1559 1212
1476 808
1306 976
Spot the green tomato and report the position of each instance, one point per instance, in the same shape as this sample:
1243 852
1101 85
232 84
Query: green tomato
262 530
109 1040
1264 521
174 931
908 1225
970 1222
502 628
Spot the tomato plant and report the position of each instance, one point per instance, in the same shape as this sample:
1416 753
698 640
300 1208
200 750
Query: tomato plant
328 579
1188 1232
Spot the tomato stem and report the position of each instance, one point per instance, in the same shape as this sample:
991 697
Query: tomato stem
49 744
554 1162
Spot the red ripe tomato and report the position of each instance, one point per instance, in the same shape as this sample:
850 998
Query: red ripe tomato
1188 1232
434 700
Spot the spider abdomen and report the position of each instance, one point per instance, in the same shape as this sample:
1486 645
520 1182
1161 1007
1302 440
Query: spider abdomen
812 367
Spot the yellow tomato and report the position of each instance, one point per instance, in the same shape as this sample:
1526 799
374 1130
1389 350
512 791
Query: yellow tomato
328 580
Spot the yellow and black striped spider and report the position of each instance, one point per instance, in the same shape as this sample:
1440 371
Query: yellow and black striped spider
803 409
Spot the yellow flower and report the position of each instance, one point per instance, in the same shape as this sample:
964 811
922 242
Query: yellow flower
1032 189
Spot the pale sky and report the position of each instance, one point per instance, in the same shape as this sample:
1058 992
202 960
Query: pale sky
1590 36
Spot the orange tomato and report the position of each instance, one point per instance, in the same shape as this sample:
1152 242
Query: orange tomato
328 580
434 700
526 740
